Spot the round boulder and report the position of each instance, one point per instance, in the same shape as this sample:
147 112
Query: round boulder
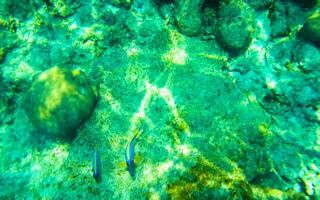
59 100
189 17
235 26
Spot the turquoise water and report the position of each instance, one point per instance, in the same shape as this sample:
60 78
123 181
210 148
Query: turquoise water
159 99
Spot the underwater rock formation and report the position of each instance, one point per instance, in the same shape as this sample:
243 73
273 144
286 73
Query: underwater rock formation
59 100
123 3
278 19
235 26
311 28
189 16
2 54
259 4
307 4
4 4
18 9
7 100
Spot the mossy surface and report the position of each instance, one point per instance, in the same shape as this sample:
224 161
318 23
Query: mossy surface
59 100
218 122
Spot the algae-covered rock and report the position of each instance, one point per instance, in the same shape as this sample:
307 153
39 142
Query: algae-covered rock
121 3
311 28
2 54
4 8
64 8
9 24
59 100
279 21
235 26
259 4
189 17
7 100
307 4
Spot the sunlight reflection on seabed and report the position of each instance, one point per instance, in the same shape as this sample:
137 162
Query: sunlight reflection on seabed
165 93
180 151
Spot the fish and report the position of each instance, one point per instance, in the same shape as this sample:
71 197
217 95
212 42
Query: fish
96 165
129 155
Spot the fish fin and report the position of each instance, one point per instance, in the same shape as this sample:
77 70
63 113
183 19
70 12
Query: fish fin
138 132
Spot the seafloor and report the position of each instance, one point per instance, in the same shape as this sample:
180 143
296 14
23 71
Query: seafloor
228 111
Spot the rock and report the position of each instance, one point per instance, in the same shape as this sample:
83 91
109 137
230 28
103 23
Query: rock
307 4
2 55
279 19
235 26
59 100
120 3
262 4
189 17
4 8
311 29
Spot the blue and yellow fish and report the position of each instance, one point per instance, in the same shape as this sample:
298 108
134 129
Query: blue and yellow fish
96 165
130 152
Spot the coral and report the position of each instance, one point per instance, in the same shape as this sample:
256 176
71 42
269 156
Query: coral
59 100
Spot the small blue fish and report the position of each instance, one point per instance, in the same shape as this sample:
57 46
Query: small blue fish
96 165
130 152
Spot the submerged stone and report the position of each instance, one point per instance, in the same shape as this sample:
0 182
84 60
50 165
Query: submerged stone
262 4
189 17
2 54
278 16
235 26
307 4
124 3
59 100
311 29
